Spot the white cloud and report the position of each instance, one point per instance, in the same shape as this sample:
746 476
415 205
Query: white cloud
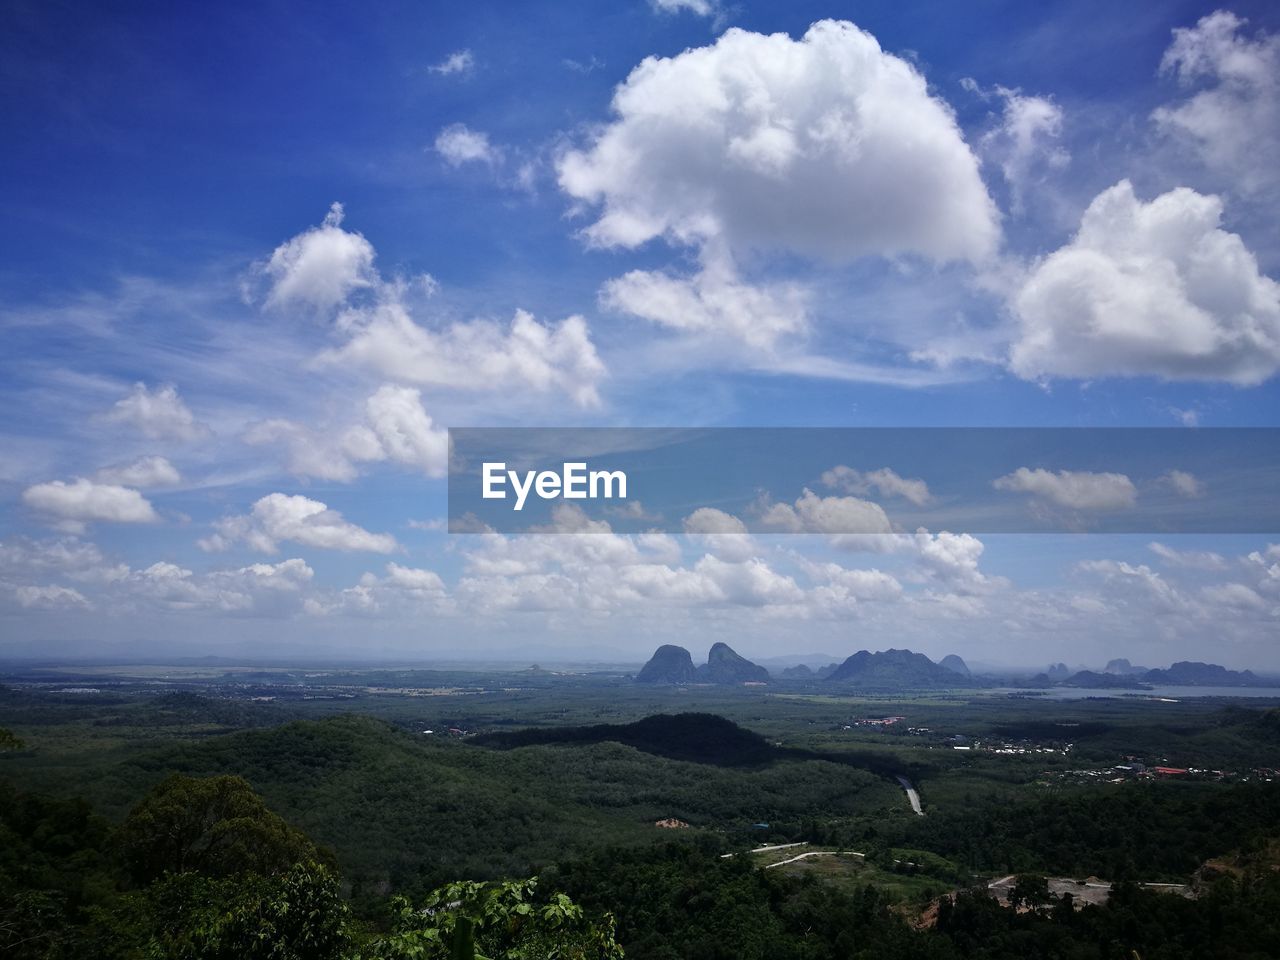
633 510
750 583
458 144
701 8
1141 581
321 267
476 355
458 62
298 519
395 427
326 265
415 580
1025 144
1184 484
709 520
1192 559
722 533
1078 490
315 453
826 146
50 597
22 558
403 592
1237 596
953 560
815 514
1234 122
404 431
160 414
1153 289
257 589
856 585
884 481
150 471
82 501
714 300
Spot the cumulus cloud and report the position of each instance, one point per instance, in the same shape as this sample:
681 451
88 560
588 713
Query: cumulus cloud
713 300
1233 123
315 453
404 591
159 414
395 427
1077 490
825 146
720 532
709 520
953 559
1139 580
327 265
83 501
404 432
22 558
458 144
476 355
257 589
1183 483
1193 559
701 8
50 597
884 481
298 519
150 471
845 584
415 580
1025 144
1238 596
321 267
458 62
1154 289
814 514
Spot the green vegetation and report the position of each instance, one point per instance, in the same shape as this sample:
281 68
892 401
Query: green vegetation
286 814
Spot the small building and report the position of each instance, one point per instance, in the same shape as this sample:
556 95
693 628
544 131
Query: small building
671 823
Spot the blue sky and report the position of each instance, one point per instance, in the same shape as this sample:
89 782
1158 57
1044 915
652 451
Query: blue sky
224 396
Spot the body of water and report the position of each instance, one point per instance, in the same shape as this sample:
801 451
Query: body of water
1156 693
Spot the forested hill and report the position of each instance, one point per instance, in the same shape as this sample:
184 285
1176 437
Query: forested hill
412 811
695 737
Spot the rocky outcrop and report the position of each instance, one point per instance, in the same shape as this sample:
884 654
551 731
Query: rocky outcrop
669 664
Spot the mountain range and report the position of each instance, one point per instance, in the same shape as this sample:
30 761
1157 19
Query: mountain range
888 670
899 670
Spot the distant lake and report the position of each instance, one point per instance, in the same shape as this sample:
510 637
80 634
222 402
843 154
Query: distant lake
1171 693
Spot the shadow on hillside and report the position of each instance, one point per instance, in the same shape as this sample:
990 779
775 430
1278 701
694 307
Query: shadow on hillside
692 737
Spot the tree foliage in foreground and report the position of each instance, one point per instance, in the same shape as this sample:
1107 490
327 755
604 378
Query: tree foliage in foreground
495 921
215 826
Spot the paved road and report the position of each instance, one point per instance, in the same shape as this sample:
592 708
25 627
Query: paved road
911 795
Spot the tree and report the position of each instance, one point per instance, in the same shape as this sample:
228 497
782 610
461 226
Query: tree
295 915
8 741
215 825
488 921
1030 890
